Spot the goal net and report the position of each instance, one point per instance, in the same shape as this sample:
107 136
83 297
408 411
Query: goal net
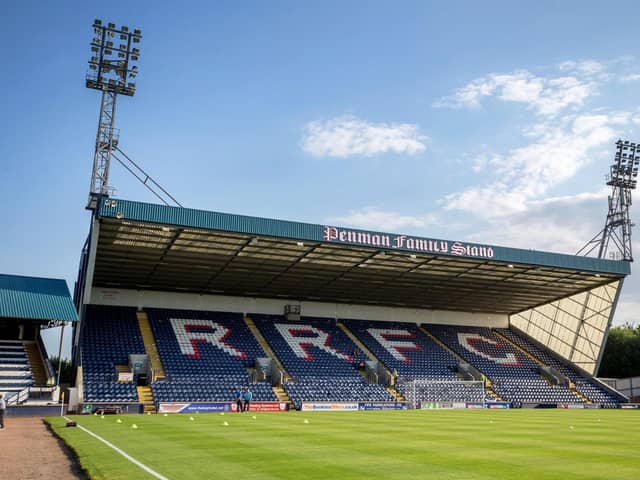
418 391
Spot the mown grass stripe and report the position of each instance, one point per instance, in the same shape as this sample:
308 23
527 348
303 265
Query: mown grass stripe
477 445
121 452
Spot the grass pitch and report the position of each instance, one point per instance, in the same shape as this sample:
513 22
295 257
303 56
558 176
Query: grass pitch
453 444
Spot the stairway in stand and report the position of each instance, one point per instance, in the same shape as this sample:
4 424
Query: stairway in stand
517 347
396 394
35 363
581 396
282 395
357 341
488 388
251 325
146 398
440 342
366 351
572 386
150 345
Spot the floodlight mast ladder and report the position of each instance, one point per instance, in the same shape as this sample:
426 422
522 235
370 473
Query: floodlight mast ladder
614 240
106 142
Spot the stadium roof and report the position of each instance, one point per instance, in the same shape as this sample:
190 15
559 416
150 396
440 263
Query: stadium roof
35 298
147 246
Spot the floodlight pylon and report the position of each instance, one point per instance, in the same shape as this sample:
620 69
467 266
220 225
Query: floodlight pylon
113 73
614 240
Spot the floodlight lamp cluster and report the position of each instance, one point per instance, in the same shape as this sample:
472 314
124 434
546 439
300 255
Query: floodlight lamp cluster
112 59
624 172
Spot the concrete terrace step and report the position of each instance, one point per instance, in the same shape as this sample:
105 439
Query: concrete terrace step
577 394
281 394
150 345
15 374
265 346
16 381
357 341
36 362
396 394
145 396
14 366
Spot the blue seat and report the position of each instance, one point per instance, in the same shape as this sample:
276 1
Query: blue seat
108 336
205 356
584 384
514 375
321 359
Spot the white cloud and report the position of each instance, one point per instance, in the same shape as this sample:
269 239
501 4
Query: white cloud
375 219
525 174
470 95
523 87
545 96
562 224
561 93
510 202
634 77
586 67
348 135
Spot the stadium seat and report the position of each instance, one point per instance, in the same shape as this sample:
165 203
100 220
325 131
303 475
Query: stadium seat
413 355
108 336
515 376
205 356
321 359
584 384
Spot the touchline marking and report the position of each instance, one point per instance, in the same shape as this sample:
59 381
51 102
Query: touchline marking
121 452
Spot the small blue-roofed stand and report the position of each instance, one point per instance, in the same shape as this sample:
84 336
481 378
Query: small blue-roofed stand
28 305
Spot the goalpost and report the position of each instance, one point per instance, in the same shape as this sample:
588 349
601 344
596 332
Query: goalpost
418 391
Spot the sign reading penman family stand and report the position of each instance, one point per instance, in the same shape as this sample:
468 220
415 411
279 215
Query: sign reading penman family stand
405 242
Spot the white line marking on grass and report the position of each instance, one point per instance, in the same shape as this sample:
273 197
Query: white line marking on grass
121 452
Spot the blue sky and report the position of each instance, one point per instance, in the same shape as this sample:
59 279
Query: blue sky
482 121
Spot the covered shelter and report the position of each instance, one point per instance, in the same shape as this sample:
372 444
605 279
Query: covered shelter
564 302
28 305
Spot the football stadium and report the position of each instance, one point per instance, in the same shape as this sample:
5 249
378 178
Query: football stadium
217 345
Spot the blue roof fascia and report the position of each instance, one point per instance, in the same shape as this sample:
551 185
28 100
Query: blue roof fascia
201 219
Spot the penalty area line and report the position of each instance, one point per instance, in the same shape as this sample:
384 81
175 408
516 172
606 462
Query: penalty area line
121 452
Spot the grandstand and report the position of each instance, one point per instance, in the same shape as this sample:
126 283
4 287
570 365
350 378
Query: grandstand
180 308
27 306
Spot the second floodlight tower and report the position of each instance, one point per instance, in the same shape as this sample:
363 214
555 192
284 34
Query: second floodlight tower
614 240
113 71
